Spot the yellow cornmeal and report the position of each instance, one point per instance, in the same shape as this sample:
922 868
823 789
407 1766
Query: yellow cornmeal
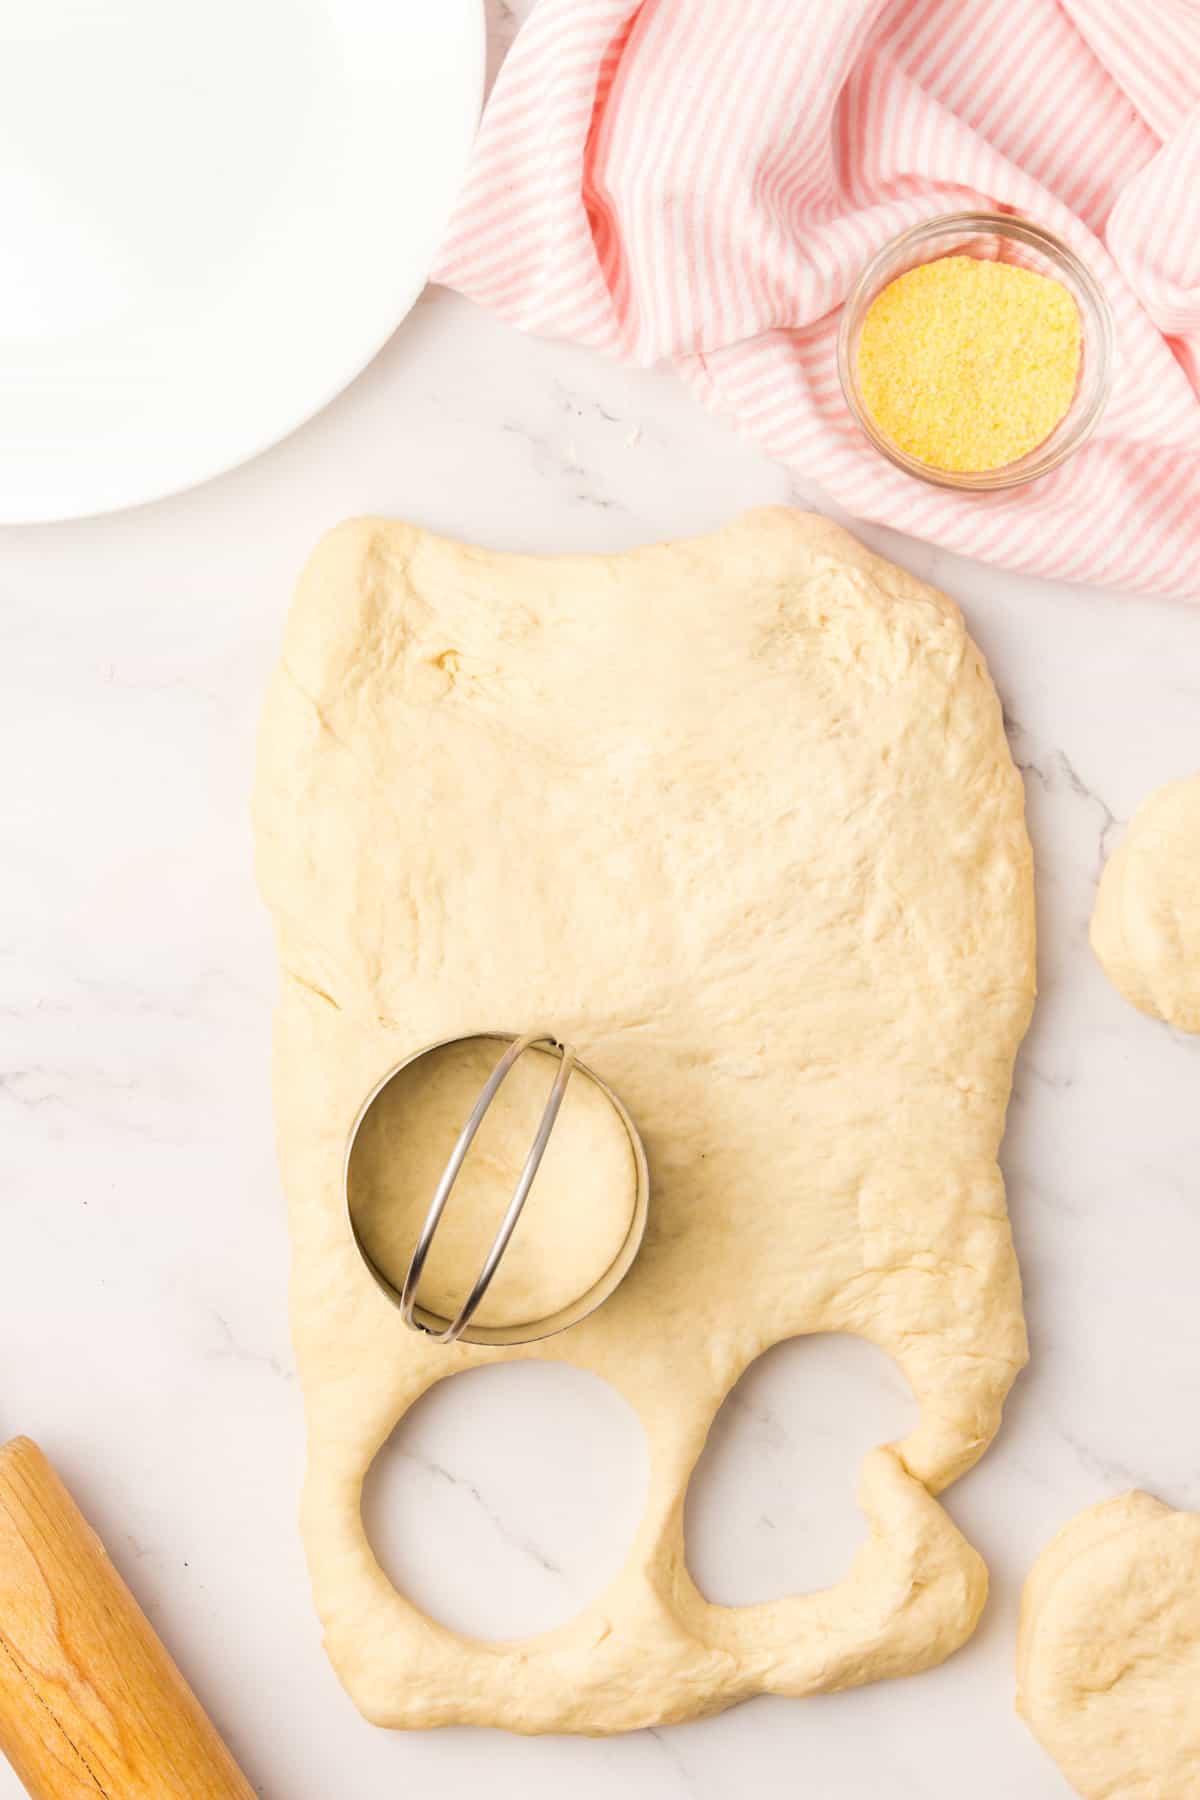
968 364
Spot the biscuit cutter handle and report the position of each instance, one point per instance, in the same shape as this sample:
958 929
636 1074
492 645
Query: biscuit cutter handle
91 1705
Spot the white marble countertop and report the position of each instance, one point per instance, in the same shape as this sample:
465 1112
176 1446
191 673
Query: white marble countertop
143 1337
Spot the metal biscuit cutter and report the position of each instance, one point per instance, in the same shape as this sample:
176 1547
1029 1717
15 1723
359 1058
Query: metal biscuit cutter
448 1330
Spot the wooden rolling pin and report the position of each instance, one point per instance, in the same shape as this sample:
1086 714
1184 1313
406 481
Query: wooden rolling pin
90 1702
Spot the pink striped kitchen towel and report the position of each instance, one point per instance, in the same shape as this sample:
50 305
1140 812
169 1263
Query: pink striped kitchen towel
702 180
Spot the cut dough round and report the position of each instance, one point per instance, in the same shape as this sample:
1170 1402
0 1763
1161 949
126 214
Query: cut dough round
578 1212
1108 1657
1146 926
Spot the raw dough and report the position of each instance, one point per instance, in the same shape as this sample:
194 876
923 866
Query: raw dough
1146 926
578 1212
1108 1658
737 816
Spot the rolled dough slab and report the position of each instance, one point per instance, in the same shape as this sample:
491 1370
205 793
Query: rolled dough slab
738 817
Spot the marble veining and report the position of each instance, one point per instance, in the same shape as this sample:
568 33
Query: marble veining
143 1332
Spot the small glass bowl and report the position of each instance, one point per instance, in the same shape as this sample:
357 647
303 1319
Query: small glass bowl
997 237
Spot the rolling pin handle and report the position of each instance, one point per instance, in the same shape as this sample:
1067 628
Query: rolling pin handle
91 1705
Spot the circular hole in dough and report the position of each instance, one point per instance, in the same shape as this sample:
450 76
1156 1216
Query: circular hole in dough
771 1507
506 1499
579 1209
